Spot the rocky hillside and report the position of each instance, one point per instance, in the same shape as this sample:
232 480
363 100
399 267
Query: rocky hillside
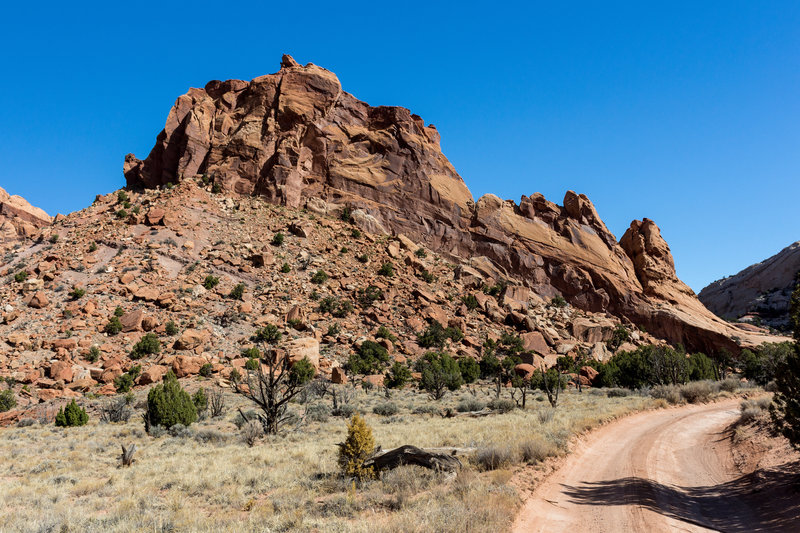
760 292
19 220
168 262
296 139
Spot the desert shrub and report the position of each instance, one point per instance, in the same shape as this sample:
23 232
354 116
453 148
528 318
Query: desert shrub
114 326
122 196
71 416
355 233
470 369
700 367
344 410
545 415
117 410
54 238
206 370
121 214
619 336
179 431
763 364
319 277
368 295
749 414
77 293
385 333
171 328
318 412
269 334
346 214
363 258
615 392
397 376
118 311
558 301
123 383
200 400
20 276
333 329
251 432
277 239
336 307
386 269
285 268
494 457
421 253
696 391
147 345
251 353
237 292
470 404
426 276
436 335
357 447
504 405
7 400
427 409
251 364
470 301
440 373
536 450
386 409
93 355
370 358
239 421
93 247
168 404
729 385
671 393
210 282
25 422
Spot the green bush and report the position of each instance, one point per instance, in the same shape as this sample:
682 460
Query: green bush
122 197
118 311
558 301
469 368
77 293
93 247
20 276
206 370
397 376
696 391
122 214
319 277
386 409
426 276
278 239
168 404
93 355
470 301
285 268
370 358
421 253
436 335
71 416
440 373
251 353
171 328
470 404
385 333
619 336
237 292
302 371
210 282
387 269
113 326
124 382
356 233
54 238
147 345
363 258
504 405
346 214
336 307
200 400
269 334
251 364
7 400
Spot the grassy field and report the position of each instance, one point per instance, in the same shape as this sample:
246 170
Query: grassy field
206 478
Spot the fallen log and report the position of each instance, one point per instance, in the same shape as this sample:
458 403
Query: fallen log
411 455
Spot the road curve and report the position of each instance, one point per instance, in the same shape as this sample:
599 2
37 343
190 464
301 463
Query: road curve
666 470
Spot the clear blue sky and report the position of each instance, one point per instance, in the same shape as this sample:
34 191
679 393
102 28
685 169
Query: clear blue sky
686 112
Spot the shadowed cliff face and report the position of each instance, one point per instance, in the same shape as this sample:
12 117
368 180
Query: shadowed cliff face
297 139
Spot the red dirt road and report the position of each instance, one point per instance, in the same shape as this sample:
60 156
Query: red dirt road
668 470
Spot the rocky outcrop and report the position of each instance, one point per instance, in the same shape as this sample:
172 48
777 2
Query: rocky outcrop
759 292
19 219
297 139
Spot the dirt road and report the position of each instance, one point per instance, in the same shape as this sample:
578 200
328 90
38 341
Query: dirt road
668 470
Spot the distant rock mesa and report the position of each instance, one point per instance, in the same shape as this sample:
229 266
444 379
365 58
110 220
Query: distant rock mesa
297 139
19 219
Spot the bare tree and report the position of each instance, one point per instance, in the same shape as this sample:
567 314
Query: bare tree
272 385
127 455
216 403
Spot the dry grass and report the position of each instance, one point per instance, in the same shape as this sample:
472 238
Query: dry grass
208 479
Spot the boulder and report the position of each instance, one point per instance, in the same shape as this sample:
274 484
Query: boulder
154 374
534 341
184 365
306 347
132 321
338 375
192 339
38 300
61 371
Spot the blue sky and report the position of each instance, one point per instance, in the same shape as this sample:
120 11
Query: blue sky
684 112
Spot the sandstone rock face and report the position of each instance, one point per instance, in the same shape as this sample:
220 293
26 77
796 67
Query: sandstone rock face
19 219
297 139
763 290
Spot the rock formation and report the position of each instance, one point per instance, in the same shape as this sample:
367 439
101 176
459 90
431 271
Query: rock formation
297 139
760 292
19 219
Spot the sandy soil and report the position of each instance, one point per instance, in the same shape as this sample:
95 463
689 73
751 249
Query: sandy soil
669 470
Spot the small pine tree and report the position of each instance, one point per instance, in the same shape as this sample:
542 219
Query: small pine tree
785 408
168 404
71 416
356 449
